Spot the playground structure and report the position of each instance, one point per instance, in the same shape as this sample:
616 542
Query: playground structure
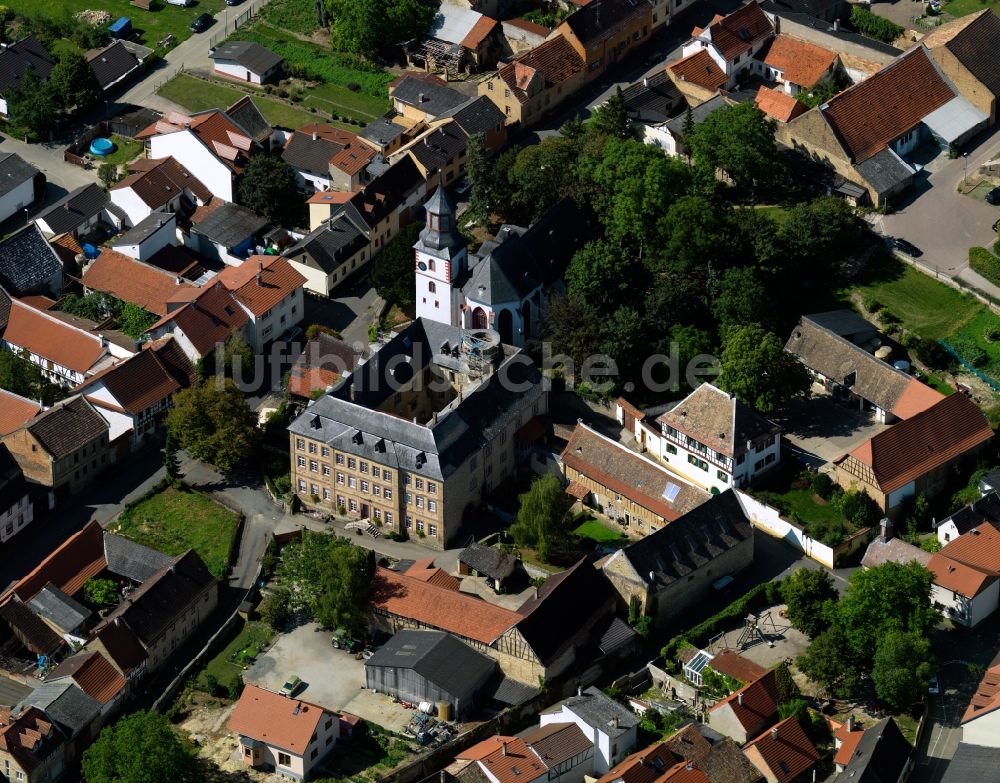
757 629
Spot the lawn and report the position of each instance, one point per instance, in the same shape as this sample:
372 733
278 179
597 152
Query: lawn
125 150
152 25
777 213
595 531
198 95
925 306
974 333
176 520
299 16
966 7
250 639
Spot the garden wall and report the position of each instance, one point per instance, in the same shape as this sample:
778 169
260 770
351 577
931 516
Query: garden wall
766 518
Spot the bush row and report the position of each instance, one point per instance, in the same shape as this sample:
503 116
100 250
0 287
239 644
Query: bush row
874 26
985 263
757 597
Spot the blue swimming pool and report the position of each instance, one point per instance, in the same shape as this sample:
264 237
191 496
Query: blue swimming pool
102 147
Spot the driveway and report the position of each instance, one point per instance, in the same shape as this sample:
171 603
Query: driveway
331 678
943 223
820 429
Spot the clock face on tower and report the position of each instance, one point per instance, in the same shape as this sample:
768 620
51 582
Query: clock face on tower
421 266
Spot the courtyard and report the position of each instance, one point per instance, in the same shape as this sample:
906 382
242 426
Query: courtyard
821 429
331 678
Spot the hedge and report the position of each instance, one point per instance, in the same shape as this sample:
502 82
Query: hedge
757 597
985 263
874 26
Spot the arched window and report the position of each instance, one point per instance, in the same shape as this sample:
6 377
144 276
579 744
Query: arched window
432 287
479 320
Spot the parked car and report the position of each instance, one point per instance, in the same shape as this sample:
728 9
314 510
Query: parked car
934 686
291 686
201 23
996 226
993 197
233 2
907 247
182 3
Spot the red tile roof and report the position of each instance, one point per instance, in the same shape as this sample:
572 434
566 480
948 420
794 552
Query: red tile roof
426 571
531 27
800 62
978 548
132 281
483 27
554 61
849 739
353 158
700 69
261 282
93 673
52 339
643 766
78 558
786 750
15 411
137 384
276 720
958 577
916 398
986 699
867 116
778 104
738 31
736 666
123 648
441 609
208 320
754 704
914 447
507 759
330 197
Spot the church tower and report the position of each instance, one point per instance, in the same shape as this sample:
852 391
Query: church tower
441 258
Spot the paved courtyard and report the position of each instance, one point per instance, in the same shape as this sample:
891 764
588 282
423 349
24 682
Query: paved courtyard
330 678
820 429
780 641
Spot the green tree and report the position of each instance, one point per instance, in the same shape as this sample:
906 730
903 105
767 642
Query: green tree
903 666
890 597
212 422
739 140
758 370
858 508
20 376
139 748
742 298
134 320
598 275
31 106
100 592
573 128
269 187
392 270
830 662
171 464
275 608
539 177
573 328
810 596
541 516
785 684
237 355
362 26
611 118
691 235
481 172
107 173
72 83
874 26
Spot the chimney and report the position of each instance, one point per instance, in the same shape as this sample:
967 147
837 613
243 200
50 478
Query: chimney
579 688
885 528
315 136
739 698
504 746
645 82
178 281
420 97
614 722
642 761
836 24
774 732
850 723
444 776
260 275
689 766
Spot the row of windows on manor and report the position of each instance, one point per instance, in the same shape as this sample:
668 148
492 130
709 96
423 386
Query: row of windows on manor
378 514
718 456
377 490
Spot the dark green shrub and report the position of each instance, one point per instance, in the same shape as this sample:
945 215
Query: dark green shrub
822 485
874 26
985 263
871 304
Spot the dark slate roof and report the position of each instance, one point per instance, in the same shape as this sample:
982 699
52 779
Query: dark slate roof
433 239
63 429
690 542
972 763
478 115
612 634
230 224
27 261
518 261
29 628
144 229
161 598
793 13
437 149
28 53
13 486
134 561
75 208
884 170
14 170
54 605
246 114
985 509
11 692
438 657
976 48
112 63
428 96
330 245
65 703
488 561
313 155
250 55
881 755
654 99
382 131
598 710
567 607
844 323
503 689
698 115
599 17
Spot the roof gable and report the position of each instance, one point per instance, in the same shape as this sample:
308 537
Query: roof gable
975 47
740 30
275 719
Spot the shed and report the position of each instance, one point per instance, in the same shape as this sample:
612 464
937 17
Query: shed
480 560
430 666
120 28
